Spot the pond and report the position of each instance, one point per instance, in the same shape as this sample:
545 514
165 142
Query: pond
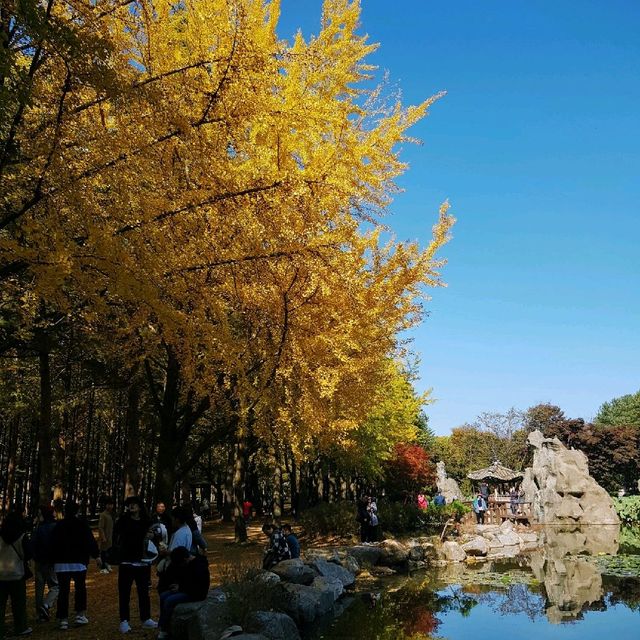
584 583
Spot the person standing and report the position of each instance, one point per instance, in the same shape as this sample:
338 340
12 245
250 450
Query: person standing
130 533
362 518
439 500
72 545
160 515
372 509
41 547
479 508
422 502
14 551
105 534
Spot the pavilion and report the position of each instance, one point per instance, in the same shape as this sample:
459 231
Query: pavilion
497 476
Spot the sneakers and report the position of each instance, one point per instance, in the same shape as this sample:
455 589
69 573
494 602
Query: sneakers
105 570
149 624
125 627
81 619
163 635
63 625
27 632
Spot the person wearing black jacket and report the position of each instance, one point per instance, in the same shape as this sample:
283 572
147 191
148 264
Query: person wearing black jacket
130 535
72 544
41 546
189 576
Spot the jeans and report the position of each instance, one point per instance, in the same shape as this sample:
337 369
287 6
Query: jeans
45 576
168 602
17 591
127 575
80 592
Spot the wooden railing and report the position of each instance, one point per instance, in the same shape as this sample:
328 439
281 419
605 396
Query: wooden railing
500 509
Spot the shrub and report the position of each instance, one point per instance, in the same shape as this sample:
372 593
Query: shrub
628 508
399 518
246 595
330 519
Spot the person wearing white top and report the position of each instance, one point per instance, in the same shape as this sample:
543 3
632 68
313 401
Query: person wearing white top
182 536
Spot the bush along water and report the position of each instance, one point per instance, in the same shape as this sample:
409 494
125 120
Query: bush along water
339 518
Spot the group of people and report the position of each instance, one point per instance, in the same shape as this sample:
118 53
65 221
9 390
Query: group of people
367 517
62 546
283 544
422 501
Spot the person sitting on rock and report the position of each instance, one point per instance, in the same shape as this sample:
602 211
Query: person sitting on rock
189 583
278 549
292 541
439 500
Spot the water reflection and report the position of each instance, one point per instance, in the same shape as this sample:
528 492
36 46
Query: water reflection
575 578
573 583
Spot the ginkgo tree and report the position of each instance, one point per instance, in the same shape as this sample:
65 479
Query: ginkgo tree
178 176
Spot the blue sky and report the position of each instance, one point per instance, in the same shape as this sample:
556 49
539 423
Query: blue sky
537 147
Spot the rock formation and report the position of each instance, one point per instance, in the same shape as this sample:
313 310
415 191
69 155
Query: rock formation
448 487
560 489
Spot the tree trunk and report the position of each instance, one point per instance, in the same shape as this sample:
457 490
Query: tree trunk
131 466
44 428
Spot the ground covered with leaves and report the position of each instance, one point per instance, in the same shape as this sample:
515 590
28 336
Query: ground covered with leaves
226 559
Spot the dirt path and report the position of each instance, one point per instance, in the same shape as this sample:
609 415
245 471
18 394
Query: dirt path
224 556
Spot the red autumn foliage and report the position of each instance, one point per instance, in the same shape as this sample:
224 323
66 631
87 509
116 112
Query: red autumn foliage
410 469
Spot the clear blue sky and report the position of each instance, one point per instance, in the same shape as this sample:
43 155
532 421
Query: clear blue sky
537 147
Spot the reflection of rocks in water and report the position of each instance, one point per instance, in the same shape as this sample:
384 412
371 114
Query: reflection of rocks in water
572 583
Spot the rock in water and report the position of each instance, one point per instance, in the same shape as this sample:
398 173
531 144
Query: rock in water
560 489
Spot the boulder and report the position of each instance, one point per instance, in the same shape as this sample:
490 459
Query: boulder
351 565
476 547
453 552
392 553
330 570
294 571
332 584
273 625
560 488
509 539
199 620
308 603
366 555
267 577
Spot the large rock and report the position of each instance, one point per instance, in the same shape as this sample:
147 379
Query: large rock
200 620
294 571
330 570
351 565
273 625
559 486
453 552
448 487
332 584
392 553
476 547
306 604
366 555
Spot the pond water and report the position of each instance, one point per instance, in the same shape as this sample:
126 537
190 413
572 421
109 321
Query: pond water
583 583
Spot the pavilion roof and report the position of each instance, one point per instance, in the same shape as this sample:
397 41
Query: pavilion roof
495 472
